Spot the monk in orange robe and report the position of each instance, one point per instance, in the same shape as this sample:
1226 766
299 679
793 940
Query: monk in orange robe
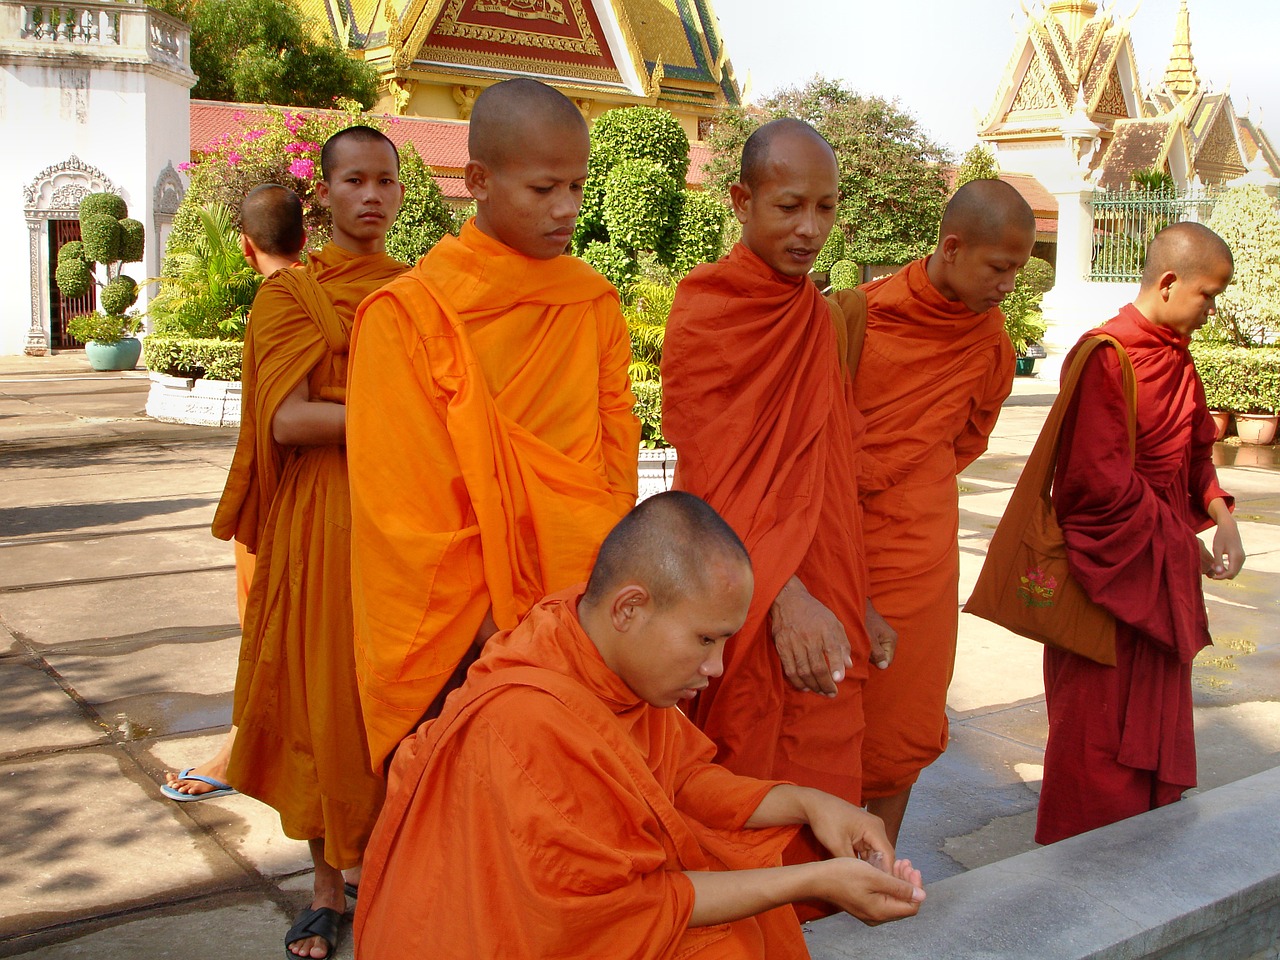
561 806
758 402
272 235
300 745
1121 740
492 439
936 365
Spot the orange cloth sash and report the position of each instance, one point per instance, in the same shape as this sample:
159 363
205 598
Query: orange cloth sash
301 746
548 812
759 408
932 378
493 447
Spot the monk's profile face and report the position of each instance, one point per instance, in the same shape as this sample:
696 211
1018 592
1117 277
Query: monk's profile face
670 653
530 198
788 212
1189 299
362 193
981 272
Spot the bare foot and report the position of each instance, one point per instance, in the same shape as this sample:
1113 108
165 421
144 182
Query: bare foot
215 768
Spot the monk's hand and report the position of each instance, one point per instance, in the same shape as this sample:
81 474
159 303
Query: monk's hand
873 896
1227 557
884 639
846 830
810 640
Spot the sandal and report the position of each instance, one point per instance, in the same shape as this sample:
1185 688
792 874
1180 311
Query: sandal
321 922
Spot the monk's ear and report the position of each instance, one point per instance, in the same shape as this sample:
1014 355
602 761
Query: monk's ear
249 251
740 194
1165 284
476 176
322 193
950 247
630 606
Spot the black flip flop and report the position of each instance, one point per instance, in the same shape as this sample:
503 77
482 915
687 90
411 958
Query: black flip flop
322 922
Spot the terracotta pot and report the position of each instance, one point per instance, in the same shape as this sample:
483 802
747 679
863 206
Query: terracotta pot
1259 428
1221 420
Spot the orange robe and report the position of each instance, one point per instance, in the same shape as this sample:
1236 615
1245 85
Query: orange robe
493 447
549 812
244 578
932 377
300 746
758 404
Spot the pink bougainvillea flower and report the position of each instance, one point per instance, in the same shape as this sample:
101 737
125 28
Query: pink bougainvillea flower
233 158
302 169
186 165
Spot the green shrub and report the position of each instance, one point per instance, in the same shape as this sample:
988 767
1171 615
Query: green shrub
620 267
648 410
701 230
103 205
73 276
190 357
640 133
101 328
646 313
119 295
71 250
1248 311
1239 379
832 250
132 240
845 275
424 216
1023 320
641 205
100 235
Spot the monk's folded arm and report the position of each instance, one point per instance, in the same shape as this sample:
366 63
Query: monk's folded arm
300 421
723 896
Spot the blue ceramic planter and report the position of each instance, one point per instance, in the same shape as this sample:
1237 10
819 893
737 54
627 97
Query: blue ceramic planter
121 355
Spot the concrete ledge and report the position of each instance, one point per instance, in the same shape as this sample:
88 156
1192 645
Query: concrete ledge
657 470
1197 879
210 403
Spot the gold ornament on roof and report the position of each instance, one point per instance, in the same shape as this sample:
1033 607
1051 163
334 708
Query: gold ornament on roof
552 10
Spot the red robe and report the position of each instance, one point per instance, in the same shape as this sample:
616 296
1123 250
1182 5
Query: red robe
1121 740
930 384
758 403
549 812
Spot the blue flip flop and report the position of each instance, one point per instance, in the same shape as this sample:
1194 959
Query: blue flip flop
220 789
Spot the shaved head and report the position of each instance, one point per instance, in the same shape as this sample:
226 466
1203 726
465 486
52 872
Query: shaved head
271 217
506 112
757 152
983 211
1186 249
356 134
668 543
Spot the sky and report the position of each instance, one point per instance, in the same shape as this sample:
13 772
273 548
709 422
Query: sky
943 59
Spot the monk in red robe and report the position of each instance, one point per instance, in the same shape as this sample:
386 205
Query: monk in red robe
758 402
272 235
300 745
936 365
561 806
492 439
1121 740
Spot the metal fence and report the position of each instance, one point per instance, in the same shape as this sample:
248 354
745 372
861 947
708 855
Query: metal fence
1124 221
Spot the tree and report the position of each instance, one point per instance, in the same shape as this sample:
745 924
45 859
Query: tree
110 239
266 51
635 200
892 188
1248 311
978 164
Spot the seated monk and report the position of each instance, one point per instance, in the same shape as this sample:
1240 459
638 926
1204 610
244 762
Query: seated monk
272 235
491 436
561 806
936 365
758 402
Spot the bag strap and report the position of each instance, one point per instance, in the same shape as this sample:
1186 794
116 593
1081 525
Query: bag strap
849 315
1041 464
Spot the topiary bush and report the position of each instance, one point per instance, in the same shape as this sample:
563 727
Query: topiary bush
107 238
845 275
641 206
424 215
700 237
832 251
192 357
620 267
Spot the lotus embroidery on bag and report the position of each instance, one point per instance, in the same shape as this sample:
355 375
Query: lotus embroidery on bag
1036 588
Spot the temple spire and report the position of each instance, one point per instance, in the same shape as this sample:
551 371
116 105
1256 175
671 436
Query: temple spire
1180 75
1073 15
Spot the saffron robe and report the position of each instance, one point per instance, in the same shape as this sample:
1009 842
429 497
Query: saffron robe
930 384
493 447
758 403
300 746
1121 740
549 812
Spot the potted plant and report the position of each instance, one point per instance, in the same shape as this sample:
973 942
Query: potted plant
108 238
1023 321
1257 395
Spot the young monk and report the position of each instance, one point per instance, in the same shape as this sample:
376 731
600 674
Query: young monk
1121 740
936 365
492 440
562 807
300 746
272 235
759 405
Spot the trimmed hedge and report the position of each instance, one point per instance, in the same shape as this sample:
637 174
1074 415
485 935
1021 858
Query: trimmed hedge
189 357
1239 379
845 275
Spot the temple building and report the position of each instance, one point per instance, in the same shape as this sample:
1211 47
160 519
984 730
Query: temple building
435 56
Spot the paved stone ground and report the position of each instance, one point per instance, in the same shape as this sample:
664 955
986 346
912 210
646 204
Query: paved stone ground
118 641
